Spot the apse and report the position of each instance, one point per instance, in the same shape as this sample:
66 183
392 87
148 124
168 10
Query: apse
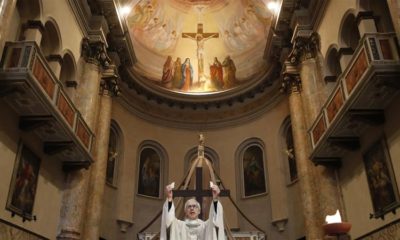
199 46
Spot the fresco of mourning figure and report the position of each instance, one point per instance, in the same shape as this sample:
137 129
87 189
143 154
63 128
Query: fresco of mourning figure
177 49
180 76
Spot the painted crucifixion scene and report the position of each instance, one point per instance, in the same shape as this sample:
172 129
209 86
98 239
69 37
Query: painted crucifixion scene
203 46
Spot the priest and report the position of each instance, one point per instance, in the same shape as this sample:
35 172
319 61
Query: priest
192 228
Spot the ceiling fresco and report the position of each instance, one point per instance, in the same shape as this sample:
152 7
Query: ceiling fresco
199 46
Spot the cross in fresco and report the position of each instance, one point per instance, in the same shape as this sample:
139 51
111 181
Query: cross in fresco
200 37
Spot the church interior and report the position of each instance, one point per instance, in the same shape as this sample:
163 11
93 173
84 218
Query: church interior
289 106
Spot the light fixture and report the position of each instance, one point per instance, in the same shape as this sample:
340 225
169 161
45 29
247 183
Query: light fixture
125 10
273 6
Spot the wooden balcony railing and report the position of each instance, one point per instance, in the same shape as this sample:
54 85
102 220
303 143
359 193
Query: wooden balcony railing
29 86
363 91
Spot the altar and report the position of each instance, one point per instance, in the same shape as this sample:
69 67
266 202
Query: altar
249 235
195 174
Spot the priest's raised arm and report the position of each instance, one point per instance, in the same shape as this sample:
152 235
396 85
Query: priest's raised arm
192 228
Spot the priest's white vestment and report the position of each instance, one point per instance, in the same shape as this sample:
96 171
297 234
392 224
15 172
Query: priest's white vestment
192 229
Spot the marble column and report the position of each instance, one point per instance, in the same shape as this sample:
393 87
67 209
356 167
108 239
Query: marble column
313 98
7 8
33 31
306 171
366 23
97 181
345 56
55 62
76 188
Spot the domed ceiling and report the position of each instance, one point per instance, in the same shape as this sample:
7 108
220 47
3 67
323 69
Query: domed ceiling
197 47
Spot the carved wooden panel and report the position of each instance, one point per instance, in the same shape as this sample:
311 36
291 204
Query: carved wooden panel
14 58
66 109
356 71
335 104
386 49
83 134
318 130
43 77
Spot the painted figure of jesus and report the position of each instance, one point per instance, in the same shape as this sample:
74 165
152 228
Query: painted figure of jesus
200 39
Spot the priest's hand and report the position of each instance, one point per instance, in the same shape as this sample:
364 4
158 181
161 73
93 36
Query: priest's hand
215 191
168 192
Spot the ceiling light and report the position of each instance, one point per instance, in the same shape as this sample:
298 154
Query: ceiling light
125 10
273 6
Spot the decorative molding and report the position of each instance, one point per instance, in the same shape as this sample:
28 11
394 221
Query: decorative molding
305 46
71 83
68 234
108 83
365 15
345 51
291 83
34 24
95 52
124 225
330 79
55 58
280 224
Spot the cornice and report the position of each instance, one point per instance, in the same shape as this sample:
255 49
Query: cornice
206 116
92 26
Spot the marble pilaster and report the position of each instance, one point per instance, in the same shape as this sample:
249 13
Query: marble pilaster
98 170
7 8
312 88
76 189
87 96
320 187
309 193
313 97
73 205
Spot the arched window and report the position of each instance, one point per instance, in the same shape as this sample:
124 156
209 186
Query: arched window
349 34
288 153
67 74
51 39
151 169
250 156
332 63
291 156
114 154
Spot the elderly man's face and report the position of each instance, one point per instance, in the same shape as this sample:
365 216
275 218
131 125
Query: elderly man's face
192 210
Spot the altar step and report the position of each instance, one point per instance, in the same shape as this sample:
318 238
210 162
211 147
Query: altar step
236 236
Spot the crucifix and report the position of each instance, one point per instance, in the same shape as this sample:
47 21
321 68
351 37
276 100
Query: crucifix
200 37
199 192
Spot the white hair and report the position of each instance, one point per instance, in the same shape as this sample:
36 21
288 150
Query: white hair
193 200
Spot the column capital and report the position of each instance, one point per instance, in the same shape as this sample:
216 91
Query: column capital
306 44
108 83
33 24
95 52
291 83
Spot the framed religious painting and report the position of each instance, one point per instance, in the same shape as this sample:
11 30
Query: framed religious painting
381 179
253 172
149 173
21 196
